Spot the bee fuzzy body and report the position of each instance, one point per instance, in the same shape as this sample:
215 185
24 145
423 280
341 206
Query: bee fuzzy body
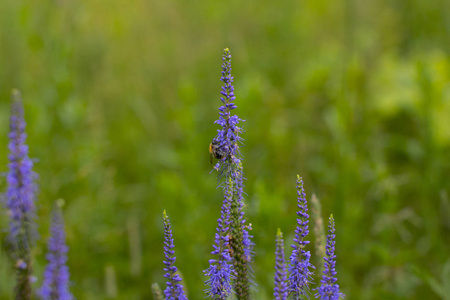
215 151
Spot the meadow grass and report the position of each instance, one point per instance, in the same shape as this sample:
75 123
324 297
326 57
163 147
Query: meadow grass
120 100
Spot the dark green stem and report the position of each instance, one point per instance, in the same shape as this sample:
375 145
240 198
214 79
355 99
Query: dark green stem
23 288
241 283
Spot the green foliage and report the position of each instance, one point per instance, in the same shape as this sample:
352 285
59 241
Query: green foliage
120 99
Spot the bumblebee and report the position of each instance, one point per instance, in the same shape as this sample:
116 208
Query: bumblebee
215 151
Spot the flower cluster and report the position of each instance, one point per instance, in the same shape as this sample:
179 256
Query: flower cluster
56 275
227 138
21 190
19 199
329 289
280 290
220 269
300 275
228 271
230 166
174 290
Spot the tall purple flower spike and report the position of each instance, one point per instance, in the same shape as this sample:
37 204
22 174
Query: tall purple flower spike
220 268
21 192
230 166
19 199
56 275
174 290
300 275
280 290
227 137
329 289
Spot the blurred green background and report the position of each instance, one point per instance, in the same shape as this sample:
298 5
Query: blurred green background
120 100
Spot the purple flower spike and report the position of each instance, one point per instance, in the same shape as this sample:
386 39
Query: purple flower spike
226 144
19 199
280 290
300 275
56 275
329 289
227 138
174 290
220 268
21 191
